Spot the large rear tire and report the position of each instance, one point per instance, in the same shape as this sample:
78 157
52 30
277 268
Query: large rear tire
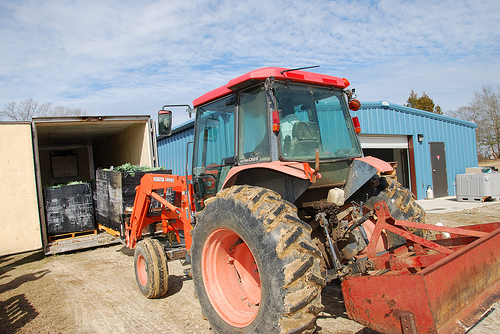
151 270
401 204
254 267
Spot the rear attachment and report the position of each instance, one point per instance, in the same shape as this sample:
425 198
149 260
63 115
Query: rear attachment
440 286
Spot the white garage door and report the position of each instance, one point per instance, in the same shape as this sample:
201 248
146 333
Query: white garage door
379 141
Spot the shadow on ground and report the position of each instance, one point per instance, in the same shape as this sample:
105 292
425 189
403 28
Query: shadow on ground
16 312
6 266
18 281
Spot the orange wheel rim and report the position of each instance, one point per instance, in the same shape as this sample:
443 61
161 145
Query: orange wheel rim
231 277
142 270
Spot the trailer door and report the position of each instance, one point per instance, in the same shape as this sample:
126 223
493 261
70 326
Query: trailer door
20 220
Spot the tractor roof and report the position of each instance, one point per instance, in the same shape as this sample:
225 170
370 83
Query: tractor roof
276 72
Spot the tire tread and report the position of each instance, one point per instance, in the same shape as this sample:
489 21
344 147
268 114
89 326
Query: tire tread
298 257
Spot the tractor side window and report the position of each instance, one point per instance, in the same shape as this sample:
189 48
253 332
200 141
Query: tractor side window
339 139
253 127
314 118
214 137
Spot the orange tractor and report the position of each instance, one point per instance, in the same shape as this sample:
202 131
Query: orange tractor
280 201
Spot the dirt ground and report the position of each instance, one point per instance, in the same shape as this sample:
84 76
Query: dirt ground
490 163
95 291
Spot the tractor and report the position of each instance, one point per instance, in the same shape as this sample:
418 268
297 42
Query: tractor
280 201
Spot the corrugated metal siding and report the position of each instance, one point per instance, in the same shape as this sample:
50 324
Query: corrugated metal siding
172 150
375 118
459 138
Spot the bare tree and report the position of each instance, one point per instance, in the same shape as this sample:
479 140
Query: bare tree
26 109
60 111
29 108
484 110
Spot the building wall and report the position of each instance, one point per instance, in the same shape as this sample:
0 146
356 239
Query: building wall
172 151
377 118
459 138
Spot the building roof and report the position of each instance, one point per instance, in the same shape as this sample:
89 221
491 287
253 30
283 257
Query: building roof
183 126
397 107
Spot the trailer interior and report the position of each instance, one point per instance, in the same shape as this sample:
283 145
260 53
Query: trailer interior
73 148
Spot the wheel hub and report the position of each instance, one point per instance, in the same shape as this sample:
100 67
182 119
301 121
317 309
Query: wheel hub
231 277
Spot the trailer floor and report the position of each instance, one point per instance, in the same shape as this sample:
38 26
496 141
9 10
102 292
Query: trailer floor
95 291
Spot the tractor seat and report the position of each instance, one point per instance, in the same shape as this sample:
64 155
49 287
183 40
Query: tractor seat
305 131
305 139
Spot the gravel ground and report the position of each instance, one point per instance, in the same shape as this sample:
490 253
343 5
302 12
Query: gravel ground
94 291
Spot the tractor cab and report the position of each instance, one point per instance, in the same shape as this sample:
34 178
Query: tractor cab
263 122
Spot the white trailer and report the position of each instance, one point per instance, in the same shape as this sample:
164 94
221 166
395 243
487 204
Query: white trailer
53 150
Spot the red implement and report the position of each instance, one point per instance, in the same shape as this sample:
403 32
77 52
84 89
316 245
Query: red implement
441 286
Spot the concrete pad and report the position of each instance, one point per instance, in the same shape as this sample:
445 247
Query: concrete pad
449 204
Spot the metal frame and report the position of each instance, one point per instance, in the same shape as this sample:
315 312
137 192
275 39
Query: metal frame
441 286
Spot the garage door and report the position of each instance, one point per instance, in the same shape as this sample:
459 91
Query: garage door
390 149
377 141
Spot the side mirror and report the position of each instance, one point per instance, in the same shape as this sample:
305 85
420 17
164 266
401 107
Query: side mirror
164 123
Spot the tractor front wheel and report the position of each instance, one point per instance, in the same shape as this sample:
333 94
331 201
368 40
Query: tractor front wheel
254 267
151 271
400 202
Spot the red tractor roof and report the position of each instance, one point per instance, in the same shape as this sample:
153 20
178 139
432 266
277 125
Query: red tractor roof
277 72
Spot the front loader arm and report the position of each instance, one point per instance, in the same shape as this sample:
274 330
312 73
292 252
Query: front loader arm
173 218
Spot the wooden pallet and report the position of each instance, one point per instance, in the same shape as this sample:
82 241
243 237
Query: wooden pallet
71 235
108 230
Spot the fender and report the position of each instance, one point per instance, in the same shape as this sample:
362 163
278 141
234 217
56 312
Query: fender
289 179
361 171
380 165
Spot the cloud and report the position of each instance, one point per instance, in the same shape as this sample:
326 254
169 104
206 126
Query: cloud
132 57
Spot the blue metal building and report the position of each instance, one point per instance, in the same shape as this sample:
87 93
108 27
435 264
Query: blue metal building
429 149
173 150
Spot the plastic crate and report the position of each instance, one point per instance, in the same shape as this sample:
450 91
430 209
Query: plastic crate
115 195
478 187
69 209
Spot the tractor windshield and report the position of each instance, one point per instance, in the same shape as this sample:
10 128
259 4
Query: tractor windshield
311 118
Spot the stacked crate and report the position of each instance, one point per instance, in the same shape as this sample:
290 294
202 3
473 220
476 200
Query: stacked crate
115 195
69 209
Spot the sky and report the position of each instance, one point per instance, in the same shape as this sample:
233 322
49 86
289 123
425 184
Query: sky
124 57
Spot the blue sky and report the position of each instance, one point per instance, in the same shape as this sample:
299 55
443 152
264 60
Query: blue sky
132 57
